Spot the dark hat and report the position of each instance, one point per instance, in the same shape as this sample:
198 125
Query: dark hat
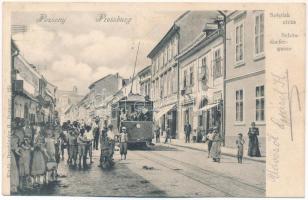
240 134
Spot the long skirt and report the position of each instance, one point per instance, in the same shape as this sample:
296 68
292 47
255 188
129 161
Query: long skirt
123 148
215 150
38 166
24 162
14 176
253 147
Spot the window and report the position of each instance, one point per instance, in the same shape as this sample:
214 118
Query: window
191 76
217 64
185 79
259 34
239 105
239 39
203 73
260 103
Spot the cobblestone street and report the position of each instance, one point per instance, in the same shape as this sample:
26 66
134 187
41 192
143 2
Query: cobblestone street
160 171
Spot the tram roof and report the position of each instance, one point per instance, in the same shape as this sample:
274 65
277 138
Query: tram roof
133 98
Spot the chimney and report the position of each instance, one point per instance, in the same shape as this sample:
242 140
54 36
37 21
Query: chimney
210 27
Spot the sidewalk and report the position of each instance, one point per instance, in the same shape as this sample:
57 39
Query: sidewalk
203 147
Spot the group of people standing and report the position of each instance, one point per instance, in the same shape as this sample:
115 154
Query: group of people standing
35 154
214 144
36 149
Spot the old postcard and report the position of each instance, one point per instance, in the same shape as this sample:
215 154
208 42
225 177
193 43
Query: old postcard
153 99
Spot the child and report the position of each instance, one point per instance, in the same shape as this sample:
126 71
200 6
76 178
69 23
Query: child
240 147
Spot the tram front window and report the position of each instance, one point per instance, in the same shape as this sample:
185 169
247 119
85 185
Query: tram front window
137 113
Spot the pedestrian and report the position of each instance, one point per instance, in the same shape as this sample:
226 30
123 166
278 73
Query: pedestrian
73 148
187 130
28 130
194 136
19 132
38 166
89 141
96 134
123 143
111 137
168 135
240 147
157 133
215 149
24 162
51 154
209 140
64 139
253 146
81 141
15 152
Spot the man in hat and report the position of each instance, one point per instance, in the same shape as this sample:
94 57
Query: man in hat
187 130
123 143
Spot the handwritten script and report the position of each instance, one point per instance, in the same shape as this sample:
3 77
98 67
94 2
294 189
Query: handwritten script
285 94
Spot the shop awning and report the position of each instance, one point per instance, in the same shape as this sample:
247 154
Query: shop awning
209 106
163 111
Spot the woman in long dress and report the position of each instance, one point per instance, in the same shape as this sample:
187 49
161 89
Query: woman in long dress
51 155
38 167
215 149
253 146
24 162
14 173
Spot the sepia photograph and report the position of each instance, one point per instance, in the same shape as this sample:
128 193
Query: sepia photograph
138 103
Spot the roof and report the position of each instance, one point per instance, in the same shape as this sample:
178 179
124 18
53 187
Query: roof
144 70
99 80
174 28
201 41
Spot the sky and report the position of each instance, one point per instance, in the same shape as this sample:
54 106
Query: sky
78 48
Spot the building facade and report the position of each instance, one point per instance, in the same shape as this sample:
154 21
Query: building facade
245 76
201 81
145 81
100 93
33 97
165 67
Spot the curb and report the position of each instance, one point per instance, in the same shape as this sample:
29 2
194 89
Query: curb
223 153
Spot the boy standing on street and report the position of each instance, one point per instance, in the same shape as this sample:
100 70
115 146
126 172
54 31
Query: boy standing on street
240 147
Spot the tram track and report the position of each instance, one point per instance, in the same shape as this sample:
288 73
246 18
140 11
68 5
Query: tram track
208 172
215 181
164 164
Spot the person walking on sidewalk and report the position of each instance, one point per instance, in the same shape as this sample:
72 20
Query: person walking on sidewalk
187 130
240 147
168 135
253 147
215 149
157 134
209 140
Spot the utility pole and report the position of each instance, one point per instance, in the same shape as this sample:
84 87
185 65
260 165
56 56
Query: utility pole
131 87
